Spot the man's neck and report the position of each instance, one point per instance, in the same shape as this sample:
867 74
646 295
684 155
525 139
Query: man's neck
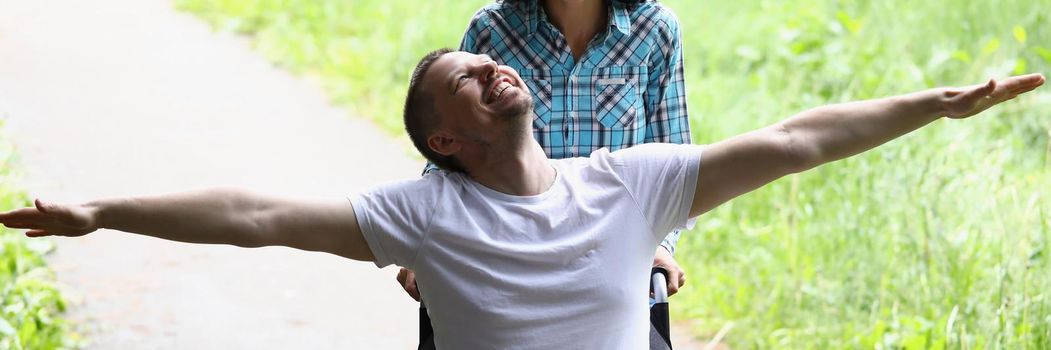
578 20
522 172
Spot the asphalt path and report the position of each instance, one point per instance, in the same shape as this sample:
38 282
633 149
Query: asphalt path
131 97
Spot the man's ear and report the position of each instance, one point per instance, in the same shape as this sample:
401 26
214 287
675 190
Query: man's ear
443 143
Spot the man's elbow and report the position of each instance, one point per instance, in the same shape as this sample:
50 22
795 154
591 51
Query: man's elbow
797 153
249 222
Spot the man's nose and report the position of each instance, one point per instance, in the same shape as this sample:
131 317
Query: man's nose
487 71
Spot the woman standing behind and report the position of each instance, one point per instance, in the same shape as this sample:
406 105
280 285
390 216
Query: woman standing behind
604 73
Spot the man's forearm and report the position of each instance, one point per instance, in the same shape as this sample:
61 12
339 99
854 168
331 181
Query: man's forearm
834 132
219 216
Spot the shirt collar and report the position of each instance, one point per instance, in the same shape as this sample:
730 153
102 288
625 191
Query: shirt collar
619 19
618 13
533 15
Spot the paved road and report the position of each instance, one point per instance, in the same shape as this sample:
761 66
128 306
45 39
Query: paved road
118 97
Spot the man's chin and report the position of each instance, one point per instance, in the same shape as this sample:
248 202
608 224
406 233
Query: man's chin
523 109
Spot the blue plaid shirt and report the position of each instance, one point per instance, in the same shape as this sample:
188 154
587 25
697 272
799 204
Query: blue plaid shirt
626 89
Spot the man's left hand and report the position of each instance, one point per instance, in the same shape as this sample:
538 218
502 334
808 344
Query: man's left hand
676 276
964 102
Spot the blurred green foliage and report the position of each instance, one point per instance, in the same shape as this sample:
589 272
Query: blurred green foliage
30 304
363 50
938 240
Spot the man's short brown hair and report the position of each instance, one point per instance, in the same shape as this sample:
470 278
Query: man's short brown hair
421 117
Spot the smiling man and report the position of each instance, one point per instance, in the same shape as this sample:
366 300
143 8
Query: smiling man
518 251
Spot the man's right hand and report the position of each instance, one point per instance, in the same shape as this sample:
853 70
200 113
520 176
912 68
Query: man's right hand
407 279
50 219
676 276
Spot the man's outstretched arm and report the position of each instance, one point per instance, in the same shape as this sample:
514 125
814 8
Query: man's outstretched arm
219 216
743 163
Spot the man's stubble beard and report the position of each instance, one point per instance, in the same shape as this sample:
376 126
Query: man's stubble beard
520 116
517 123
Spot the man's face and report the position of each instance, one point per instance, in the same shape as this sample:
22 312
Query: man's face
477 98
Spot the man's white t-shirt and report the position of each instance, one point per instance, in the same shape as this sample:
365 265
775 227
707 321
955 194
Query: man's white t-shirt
565 269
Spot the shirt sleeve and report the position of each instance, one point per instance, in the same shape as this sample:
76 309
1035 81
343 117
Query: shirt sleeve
671 240
662 179
665 95
394 218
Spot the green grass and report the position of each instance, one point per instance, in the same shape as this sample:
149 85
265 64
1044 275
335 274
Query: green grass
938 240
30 304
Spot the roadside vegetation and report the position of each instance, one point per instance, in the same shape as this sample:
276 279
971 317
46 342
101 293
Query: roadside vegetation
938 240
31 305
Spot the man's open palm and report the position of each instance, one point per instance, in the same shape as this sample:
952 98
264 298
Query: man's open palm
49 219
968 101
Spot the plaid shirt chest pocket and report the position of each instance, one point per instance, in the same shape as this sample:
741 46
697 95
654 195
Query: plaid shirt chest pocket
539 84
618 100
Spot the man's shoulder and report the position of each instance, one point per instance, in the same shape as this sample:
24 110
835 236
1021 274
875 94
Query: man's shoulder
430 186
649 153
599 161
604 155
605 160
650 147
440 179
